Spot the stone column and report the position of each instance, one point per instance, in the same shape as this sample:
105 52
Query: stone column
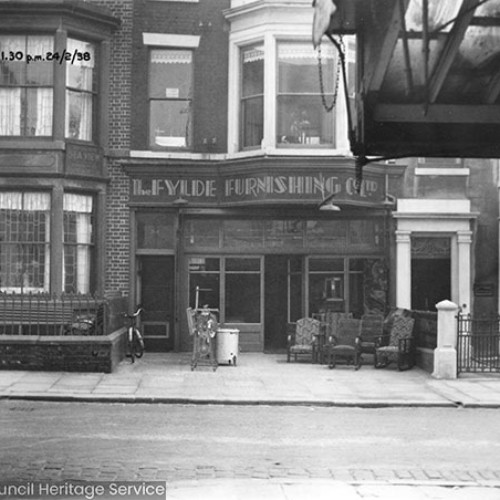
403 269
445 354
464 240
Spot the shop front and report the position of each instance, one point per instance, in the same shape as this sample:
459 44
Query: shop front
257 248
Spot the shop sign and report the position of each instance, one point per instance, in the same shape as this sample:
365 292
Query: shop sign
234 189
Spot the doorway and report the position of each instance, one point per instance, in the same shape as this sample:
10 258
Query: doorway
430 283
282 298
156 286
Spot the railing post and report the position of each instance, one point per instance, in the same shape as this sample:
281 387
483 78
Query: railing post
445 354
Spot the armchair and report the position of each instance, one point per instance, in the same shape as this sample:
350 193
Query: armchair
304 339
372 328
345 343
398 346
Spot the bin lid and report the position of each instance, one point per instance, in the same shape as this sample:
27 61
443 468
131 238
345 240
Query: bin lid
228 330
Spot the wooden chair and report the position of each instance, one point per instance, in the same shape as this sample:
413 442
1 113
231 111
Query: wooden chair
303 341
398 346
345 344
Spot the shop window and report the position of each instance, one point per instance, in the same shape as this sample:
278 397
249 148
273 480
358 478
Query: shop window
301 118
81 90
326 285
252 96
26 90
24 242
243 233
78 243
204 282
202 233
155 231
170 98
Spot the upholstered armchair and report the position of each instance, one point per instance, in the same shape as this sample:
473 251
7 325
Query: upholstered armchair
344 344
398 346
304 339
372 328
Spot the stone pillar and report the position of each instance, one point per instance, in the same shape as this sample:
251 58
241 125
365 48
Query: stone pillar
464 240
403 269
445 354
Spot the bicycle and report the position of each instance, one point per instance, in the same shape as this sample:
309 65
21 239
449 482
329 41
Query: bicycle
135 341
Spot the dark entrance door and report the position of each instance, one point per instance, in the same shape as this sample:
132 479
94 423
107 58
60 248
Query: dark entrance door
430 283
156 275
283 298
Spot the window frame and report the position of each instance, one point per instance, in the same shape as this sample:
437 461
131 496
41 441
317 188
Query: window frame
24 87
188 99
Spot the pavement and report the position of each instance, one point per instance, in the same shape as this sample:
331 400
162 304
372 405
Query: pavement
256 379
262 379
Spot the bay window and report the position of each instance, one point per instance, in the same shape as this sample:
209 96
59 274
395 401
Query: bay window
78 243
26 90
24 242
81 89
170 96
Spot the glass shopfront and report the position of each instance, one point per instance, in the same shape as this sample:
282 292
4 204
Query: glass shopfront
262 273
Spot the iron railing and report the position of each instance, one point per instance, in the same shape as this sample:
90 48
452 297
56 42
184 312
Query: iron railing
44 314
478 345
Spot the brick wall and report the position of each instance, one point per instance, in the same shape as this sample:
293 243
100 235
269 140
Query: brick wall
119 113
202 19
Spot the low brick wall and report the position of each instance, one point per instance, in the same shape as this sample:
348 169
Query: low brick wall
77 353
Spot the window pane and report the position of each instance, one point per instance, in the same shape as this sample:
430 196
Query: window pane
243 265
298 68
155 230
78 243
252 122
327 233
80 72
326 264
284 233
202 233
79 115
302 120
40 72
10 111
12 72
252 93
170 123
24 242
39 105
243 233
170 74
243 298
204 276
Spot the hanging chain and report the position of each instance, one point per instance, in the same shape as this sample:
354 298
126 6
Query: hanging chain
329 107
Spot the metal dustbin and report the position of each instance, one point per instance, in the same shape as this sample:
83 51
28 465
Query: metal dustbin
227 346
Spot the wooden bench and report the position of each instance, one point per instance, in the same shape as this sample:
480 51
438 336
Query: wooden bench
36 316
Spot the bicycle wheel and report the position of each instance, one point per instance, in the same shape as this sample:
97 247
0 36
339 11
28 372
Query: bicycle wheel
138 344
130 345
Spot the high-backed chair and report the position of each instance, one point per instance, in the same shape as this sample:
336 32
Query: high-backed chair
304 340
399 347
372 328
344 345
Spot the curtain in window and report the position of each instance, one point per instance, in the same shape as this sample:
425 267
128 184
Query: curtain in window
44 112
80 207
24 242
10 111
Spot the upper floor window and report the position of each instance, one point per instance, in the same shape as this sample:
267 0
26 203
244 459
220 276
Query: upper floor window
301 119
252 96
170 97
26 88
81 90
